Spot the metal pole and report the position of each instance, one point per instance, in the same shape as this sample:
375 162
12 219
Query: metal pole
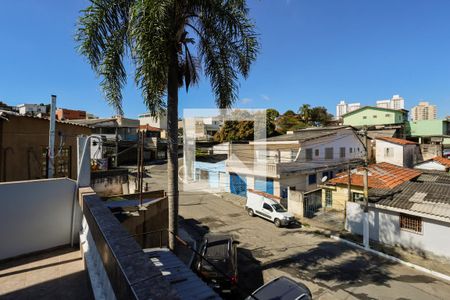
51 139
366 194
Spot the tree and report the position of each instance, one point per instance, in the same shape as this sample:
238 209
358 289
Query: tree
320 116
305 113
271 116
159 36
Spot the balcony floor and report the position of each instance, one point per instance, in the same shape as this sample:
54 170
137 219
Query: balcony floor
57 274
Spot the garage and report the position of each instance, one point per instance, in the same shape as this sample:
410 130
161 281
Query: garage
238 185
264 184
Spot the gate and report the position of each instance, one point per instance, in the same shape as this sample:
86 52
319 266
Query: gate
312 204
264 185
238 185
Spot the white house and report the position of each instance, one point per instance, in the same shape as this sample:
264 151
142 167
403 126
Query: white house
298 160
31 109
437 163
395 151
414 215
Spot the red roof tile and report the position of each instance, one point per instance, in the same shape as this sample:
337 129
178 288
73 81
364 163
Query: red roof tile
442 160
396 140
149 128
382 175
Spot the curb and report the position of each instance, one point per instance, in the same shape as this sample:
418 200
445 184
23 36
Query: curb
384 255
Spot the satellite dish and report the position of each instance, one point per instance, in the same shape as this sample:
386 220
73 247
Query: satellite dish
324 178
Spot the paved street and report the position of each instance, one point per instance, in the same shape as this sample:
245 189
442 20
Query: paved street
329 268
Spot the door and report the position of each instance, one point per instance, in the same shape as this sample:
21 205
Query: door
264 185
266 211
238 185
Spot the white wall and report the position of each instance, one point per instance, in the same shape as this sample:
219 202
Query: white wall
396 158
160 122
35 215
385 228
346 139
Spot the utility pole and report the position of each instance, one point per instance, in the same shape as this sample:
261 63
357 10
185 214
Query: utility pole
51 140
366 193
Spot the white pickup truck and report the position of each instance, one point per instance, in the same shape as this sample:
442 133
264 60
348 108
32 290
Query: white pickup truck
269 209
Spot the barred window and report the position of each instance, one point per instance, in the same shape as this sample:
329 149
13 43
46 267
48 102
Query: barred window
411 223
328 153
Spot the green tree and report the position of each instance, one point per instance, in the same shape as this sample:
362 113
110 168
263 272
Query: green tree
271 117
320 116
166 41
305 113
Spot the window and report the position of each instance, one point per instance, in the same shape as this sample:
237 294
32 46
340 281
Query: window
350 149
375 116
328 174
328 153
357 197
328 198
387 115
389 152
411 223
365 117
267 206
312 179
316 152
309 154
342 152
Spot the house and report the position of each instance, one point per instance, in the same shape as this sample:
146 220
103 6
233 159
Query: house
24 147
297 160
437 163
159 121
375 116
70 114
396 151
211 171
118 137
414 215
32 109
433 136
382 175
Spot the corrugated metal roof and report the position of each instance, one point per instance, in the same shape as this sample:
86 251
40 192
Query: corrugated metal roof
423 197
181 278
4 115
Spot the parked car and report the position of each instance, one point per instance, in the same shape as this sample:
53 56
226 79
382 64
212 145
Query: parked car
270 210
221 252
282 288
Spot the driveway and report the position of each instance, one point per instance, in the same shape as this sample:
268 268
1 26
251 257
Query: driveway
332 270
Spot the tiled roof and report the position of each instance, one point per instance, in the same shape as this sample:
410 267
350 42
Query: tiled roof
420 197
381 176
396 140
149 128
442 160
266 195
309 134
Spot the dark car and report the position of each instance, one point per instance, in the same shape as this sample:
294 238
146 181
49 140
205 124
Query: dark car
282 288
221 253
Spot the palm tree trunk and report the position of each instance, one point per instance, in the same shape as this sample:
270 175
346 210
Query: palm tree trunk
172 148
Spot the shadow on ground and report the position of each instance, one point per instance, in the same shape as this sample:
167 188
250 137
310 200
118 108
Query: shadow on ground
249 268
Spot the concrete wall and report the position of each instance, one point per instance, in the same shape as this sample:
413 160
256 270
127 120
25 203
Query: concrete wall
295 202
385 228
109 183
428 128
22 140
346 139
403 155
36 215
429 151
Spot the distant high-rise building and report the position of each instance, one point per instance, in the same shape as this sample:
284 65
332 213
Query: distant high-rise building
342 108
396 102
424 111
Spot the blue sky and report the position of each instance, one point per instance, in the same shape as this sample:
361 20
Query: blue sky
314 51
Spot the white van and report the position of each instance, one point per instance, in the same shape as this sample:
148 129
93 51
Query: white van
268 208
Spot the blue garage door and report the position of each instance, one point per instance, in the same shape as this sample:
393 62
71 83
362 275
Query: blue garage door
264 185
238 185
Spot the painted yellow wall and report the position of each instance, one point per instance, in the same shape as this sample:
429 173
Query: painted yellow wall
339 196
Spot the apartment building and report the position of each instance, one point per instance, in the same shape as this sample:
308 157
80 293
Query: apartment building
342 108
396 102
423 111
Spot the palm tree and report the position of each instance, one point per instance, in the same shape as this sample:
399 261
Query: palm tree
305 113
166 42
